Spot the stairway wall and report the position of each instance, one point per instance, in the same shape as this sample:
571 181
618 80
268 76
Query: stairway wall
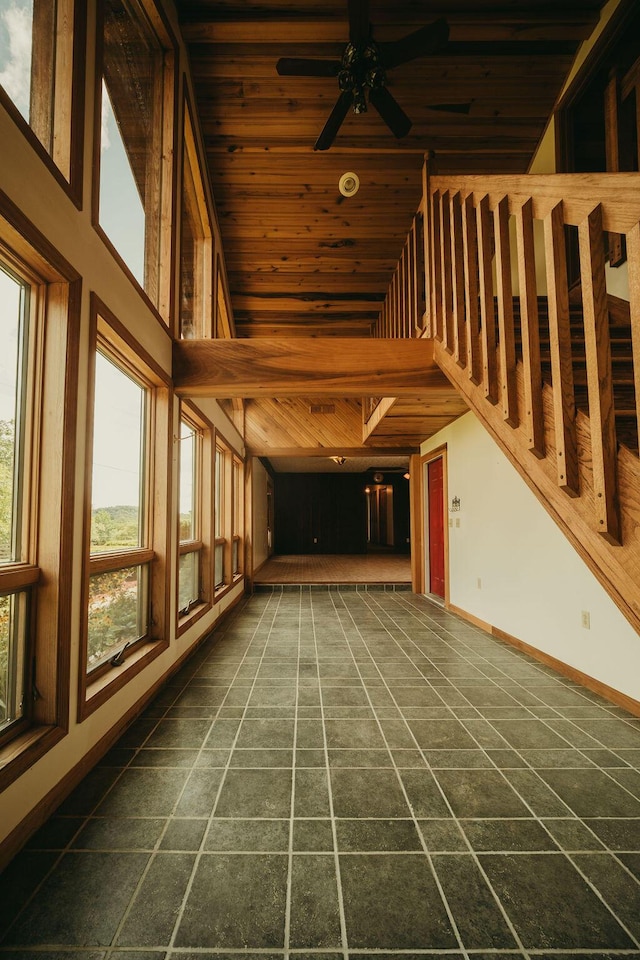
534 585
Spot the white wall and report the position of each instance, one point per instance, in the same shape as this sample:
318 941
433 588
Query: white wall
533 584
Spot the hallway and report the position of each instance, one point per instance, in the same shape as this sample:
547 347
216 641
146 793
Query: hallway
346 771
337 568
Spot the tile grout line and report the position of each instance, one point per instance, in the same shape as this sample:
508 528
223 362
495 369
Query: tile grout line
334 833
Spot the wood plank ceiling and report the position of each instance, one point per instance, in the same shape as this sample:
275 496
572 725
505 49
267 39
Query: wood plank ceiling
301 259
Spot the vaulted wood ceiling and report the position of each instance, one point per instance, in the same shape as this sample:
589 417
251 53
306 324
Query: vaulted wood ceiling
304 261
301 259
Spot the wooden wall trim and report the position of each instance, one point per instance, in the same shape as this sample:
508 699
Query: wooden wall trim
614 696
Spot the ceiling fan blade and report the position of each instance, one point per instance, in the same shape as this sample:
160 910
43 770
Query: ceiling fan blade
428 39
451 107
359 28
295 67
334 122
390 111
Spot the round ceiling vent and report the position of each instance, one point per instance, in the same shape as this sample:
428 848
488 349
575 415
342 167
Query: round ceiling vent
349 184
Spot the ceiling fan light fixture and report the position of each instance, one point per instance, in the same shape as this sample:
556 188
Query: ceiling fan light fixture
349 184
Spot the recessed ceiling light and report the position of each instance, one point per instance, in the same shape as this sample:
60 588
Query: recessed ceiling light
349 184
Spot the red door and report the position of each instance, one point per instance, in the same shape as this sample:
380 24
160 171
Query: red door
436 527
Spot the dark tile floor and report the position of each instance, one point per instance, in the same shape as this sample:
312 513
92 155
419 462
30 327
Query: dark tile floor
342 771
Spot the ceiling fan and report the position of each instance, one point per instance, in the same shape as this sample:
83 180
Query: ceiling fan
362 70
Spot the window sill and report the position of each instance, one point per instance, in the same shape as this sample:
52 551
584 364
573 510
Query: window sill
25 749
188 620
227 587
96 692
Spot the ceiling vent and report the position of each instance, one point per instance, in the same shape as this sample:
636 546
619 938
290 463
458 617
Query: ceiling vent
322 408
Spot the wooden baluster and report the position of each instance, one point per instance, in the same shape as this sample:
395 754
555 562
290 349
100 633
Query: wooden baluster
404 273
471 294
422 280
412 282
633 255
530 329
485 255
506 344
457 271
423 250
445 262
437 321
564 409
397 279
599 376
615 241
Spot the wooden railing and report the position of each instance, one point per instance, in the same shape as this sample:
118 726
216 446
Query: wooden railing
490 237
403 310
515 293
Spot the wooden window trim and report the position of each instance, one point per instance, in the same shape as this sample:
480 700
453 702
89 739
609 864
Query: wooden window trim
160 295
52 520
231 579
66 104
204 513
94 689
193 192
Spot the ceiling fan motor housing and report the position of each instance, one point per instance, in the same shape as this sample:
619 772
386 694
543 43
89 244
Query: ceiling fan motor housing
361 67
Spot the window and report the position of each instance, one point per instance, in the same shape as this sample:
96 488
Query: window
237 514
36 54
38 333
228 510
194 517
220 517
125 525
15 316
196 245
135 143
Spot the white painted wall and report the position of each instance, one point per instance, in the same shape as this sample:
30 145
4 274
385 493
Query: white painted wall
533 583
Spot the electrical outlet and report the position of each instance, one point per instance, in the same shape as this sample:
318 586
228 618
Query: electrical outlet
457 521
586 620
450 521
479 584
315 539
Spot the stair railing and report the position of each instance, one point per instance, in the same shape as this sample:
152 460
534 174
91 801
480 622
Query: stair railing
486 238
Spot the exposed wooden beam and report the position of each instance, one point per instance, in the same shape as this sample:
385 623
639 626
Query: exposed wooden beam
387 451
289 367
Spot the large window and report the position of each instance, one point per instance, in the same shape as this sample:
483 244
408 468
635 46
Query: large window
237 513
125 572
194 517
135 143
36 56
118 584
229 516
15 322
38 372
196 245
220 514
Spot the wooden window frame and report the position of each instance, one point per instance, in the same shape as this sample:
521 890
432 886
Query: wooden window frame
112 337
45 567
203 507
226 533
194 199
55 129
237 515
157 288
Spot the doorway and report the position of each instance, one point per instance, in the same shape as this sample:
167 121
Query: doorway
436 571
